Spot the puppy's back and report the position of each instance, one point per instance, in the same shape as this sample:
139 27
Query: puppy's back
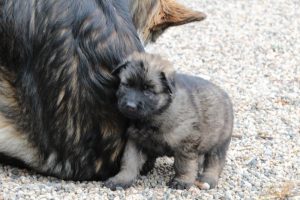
210 103
198 86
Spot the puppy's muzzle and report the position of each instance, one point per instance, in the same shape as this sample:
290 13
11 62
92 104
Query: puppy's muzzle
131 107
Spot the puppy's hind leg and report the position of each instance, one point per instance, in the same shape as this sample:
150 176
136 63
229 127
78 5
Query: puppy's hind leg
213 165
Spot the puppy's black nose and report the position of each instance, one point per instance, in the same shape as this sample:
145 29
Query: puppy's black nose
131 106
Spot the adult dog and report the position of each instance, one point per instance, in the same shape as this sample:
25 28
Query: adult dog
57 104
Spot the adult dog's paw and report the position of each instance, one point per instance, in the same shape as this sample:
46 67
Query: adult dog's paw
113 184
179 184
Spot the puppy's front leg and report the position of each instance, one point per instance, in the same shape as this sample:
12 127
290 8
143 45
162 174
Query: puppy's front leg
185 172
132 162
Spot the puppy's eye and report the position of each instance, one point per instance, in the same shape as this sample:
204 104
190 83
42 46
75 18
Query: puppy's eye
124 84
147 87
148 92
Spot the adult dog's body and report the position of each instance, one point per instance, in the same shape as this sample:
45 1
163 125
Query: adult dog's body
57 104
56 89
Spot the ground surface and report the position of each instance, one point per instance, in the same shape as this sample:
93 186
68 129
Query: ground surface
252 50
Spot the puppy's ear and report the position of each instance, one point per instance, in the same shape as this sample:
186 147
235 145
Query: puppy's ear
173 14
168 81
121 66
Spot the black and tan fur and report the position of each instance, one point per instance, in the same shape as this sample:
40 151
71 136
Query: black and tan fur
58 111
57 104
153 17
175 115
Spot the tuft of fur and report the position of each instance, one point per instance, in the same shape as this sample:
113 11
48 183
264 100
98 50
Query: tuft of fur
172 115
153 17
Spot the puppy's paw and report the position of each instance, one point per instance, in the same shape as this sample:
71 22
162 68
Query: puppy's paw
206 182
202 185
179 184
113 184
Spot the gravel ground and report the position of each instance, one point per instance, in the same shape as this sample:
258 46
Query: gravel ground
249 48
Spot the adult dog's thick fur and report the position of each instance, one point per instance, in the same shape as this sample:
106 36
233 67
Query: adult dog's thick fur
57 107
153 17
175 115
58 112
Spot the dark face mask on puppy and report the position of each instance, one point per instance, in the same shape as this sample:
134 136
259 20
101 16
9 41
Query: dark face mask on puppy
144 90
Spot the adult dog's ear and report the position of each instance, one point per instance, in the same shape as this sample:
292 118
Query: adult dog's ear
118 69
172 14
168 81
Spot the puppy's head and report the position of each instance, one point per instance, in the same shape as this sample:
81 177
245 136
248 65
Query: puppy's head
146 85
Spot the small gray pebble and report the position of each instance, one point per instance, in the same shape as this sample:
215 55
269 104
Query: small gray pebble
252 162
228 195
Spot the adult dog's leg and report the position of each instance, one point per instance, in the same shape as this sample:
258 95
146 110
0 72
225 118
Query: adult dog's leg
16 145
13 142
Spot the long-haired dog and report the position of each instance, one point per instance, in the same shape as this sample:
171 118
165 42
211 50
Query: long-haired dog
153 17
58 111
172 115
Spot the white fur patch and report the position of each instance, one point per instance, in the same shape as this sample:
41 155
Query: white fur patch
202 185
205 186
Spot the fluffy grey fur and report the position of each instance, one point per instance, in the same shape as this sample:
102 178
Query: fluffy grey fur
175 115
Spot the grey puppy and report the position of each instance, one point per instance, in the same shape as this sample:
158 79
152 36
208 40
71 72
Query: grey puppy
172 115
